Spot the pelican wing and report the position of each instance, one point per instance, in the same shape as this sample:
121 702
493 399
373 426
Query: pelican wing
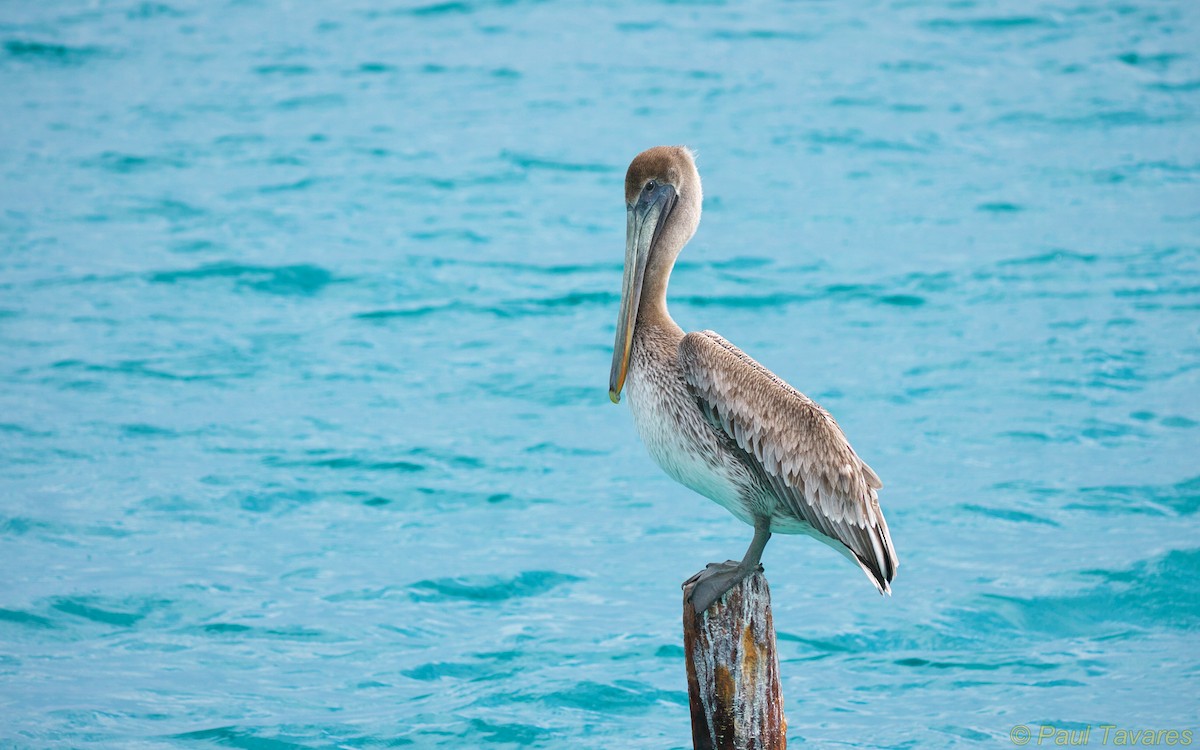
798 447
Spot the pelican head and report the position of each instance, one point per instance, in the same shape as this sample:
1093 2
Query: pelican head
662 210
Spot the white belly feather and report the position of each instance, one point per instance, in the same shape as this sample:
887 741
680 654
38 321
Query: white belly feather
684 446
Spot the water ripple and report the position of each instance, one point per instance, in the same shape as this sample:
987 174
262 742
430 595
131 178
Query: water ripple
300 279
1162 592
490 588
49 52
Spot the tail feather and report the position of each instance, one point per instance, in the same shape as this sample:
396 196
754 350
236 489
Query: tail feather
881 567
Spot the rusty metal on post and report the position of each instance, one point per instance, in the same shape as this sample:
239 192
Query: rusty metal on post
733 670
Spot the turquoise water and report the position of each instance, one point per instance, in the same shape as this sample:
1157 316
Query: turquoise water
306 315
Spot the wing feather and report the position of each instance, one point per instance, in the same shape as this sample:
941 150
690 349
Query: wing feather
798 447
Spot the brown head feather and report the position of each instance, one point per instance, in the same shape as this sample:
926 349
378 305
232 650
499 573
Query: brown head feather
670 164
675 166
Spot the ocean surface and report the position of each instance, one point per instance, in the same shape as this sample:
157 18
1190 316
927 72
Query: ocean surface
306 313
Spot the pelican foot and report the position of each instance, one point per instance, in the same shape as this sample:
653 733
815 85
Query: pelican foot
710 584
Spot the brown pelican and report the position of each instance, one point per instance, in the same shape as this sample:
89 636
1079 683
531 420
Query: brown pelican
719 422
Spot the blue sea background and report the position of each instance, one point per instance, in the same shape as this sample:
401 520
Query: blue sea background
306 313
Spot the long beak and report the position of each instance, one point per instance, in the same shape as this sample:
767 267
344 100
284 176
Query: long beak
643 225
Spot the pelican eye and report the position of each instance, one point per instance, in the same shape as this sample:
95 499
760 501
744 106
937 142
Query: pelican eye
650 186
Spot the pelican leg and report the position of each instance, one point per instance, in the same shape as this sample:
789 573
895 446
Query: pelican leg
711 583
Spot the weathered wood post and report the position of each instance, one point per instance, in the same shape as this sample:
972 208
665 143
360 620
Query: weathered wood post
733 670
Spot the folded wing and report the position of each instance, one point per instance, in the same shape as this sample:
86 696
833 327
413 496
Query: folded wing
799 448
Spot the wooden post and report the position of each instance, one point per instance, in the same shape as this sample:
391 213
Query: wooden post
733 670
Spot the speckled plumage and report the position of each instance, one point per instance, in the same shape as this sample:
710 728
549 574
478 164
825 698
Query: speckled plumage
674 430
800 455
722 424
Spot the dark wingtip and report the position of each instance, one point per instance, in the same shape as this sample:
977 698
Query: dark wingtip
881 574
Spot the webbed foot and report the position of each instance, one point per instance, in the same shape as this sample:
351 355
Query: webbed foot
715 580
